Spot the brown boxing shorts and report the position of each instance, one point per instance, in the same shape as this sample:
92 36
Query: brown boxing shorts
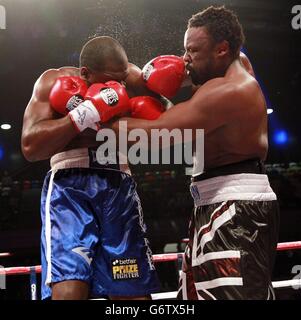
233 236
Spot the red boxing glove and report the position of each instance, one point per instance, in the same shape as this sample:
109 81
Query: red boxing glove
110 99
102 102
164 74
67 93
146 107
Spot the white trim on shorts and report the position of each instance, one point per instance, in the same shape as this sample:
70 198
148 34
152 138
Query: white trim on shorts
183 286
217 223
227 254
243 186
207 293
79 158
48 228
219 282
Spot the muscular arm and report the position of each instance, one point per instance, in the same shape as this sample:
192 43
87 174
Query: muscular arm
43 135
212 106
135 83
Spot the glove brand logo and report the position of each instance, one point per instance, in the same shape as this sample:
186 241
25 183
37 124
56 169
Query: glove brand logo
147 71
84 253
109 96
296 21
2 18
74 102
124 269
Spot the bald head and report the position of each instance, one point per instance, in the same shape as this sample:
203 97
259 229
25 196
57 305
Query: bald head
103 54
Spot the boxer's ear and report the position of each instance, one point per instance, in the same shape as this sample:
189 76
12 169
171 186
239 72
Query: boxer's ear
85 73
222 49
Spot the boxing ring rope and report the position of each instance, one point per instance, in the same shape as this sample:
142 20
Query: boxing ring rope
5 254
157 258
280 247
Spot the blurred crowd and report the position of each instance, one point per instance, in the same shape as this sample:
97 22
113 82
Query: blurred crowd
164 195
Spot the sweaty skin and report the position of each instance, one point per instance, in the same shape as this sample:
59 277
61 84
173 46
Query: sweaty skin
229 105
46 132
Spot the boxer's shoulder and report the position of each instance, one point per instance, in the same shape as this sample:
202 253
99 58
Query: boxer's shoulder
225 87
53 74
133 68
68 71
47 79
246 64
217 87
134 75
135 83
226 96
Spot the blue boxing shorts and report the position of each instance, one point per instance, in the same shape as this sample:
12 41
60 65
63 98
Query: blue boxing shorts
93 230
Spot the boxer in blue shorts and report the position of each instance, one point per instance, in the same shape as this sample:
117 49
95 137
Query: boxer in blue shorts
97 231
93 236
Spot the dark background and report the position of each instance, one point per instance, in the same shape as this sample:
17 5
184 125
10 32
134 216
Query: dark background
49 34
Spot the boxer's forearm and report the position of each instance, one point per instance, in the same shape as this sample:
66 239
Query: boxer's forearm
47 137
126 124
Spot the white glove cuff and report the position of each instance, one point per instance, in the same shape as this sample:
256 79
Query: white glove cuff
84 116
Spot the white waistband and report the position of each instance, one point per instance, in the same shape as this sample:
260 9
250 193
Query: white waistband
80 158
243 186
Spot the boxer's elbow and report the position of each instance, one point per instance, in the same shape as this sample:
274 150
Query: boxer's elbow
28 152
29 149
